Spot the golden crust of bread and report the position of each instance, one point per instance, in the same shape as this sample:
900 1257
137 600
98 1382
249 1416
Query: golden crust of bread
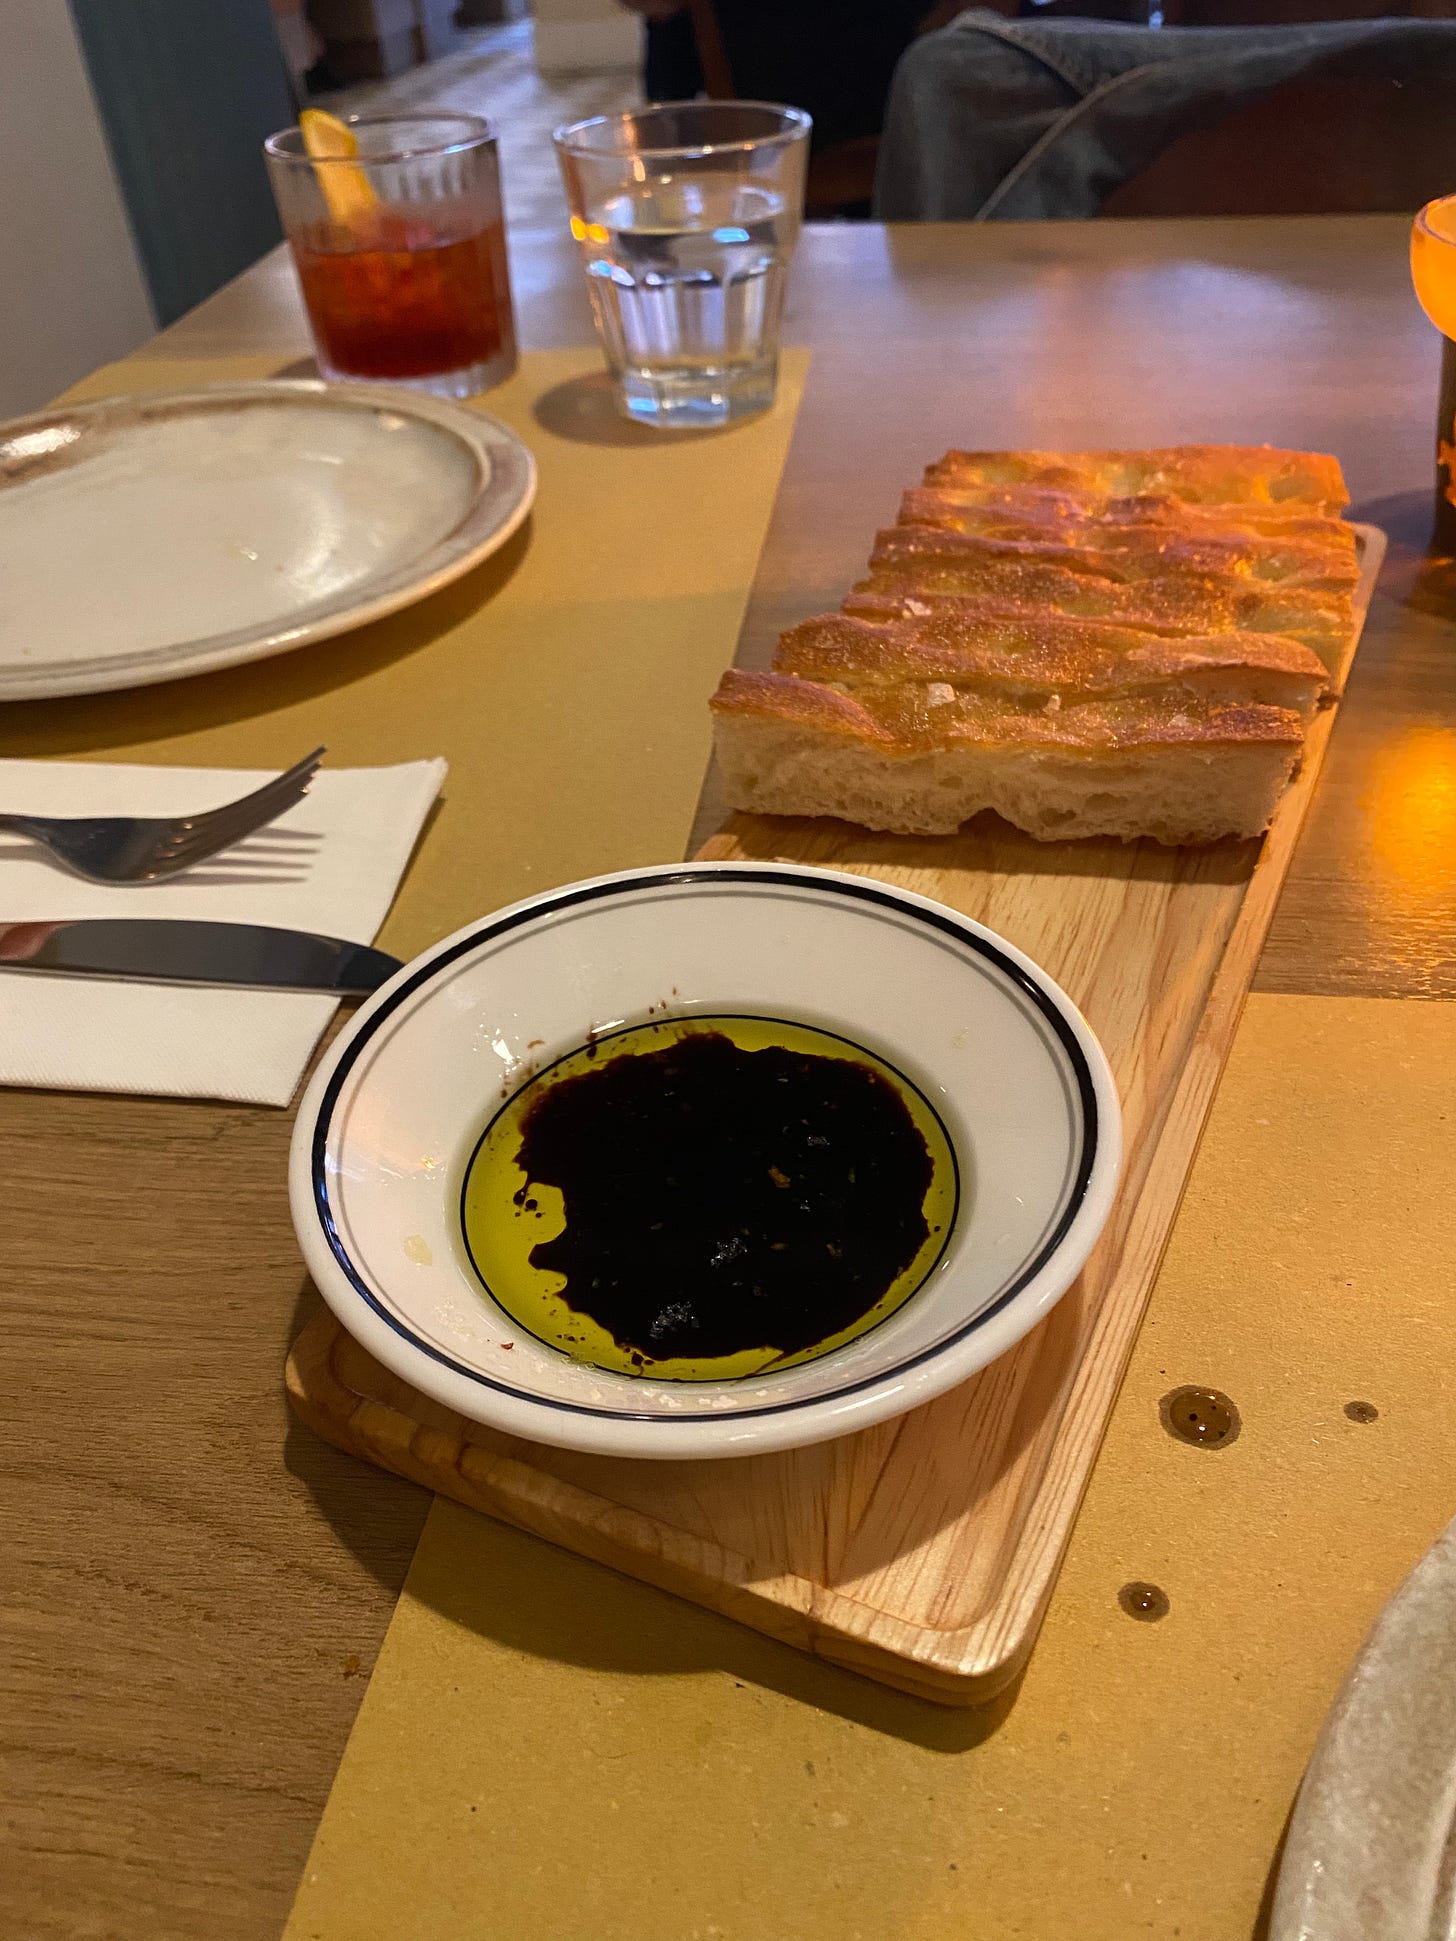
1132 553
1191 604
1195 604
1051 651
902 721
1210 474
1090 519
1095 643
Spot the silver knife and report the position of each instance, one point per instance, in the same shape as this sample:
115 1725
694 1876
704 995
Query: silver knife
178 951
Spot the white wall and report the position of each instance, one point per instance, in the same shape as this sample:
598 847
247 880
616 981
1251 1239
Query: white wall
71 289
584 37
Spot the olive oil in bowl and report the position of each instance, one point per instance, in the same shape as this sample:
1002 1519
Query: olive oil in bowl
709 1197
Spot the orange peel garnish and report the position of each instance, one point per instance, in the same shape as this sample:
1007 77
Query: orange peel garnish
346 187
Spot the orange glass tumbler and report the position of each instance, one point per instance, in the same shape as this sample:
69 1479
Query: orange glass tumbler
400 251
1433 271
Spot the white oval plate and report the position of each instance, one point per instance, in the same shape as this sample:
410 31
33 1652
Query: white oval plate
393 1114
1371 1852
148 537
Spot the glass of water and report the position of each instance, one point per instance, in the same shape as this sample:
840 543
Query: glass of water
687 214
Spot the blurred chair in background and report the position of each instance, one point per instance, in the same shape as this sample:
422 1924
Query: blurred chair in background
1271 13
995 119
834 58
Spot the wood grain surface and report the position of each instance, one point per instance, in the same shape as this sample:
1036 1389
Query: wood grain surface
193 1582
1300 333
921 1552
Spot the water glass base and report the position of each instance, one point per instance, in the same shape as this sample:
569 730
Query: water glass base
700 400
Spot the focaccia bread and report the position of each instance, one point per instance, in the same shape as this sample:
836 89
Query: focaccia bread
1087 518
1130 553
1171 606
1202 474
922 761
1040 658
1089 643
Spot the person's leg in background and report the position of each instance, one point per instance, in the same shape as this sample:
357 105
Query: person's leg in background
670 67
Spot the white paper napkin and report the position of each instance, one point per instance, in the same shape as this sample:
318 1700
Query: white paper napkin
331 865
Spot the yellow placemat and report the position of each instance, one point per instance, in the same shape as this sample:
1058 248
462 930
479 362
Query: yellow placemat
566 680
549 1750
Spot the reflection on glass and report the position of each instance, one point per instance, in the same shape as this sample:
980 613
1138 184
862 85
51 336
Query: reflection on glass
1433 271
1433 262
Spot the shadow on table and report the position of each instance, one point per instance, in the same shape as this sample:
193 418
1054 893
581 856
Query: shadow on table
1405 518
1415 573
376 1515
555 1604
584 410
73 724
552 1604
985 846
529 1596
1260 1930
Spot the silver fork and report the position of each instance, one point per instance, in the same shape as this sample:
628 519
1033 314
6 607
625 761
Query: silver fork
143 849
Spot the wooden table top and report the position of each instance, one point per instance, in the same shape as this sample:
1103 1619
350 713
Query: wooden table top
201 1584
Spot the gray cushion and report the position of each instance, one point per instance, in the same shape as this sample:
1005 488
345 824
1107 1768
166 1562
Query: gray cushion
1007 120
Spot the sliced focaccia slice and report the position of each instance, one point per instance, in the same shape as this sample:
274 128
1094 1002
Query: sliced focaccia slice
1130 553
1051 659
1164 603
916 762
1092 519
1202 474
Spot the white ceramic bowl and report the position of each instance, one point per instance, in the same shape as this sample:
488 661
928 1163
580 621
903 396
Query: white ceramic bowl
390 1120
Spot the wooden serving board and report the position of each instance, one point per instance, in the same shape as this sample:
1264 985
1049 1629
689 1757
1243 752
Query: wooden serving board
921 1552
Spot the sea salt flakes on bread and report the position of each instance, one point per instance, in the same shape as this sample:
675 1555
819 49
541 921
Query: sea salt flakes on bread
1051 654
1167 605
1129 553
1201 474
1027 512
